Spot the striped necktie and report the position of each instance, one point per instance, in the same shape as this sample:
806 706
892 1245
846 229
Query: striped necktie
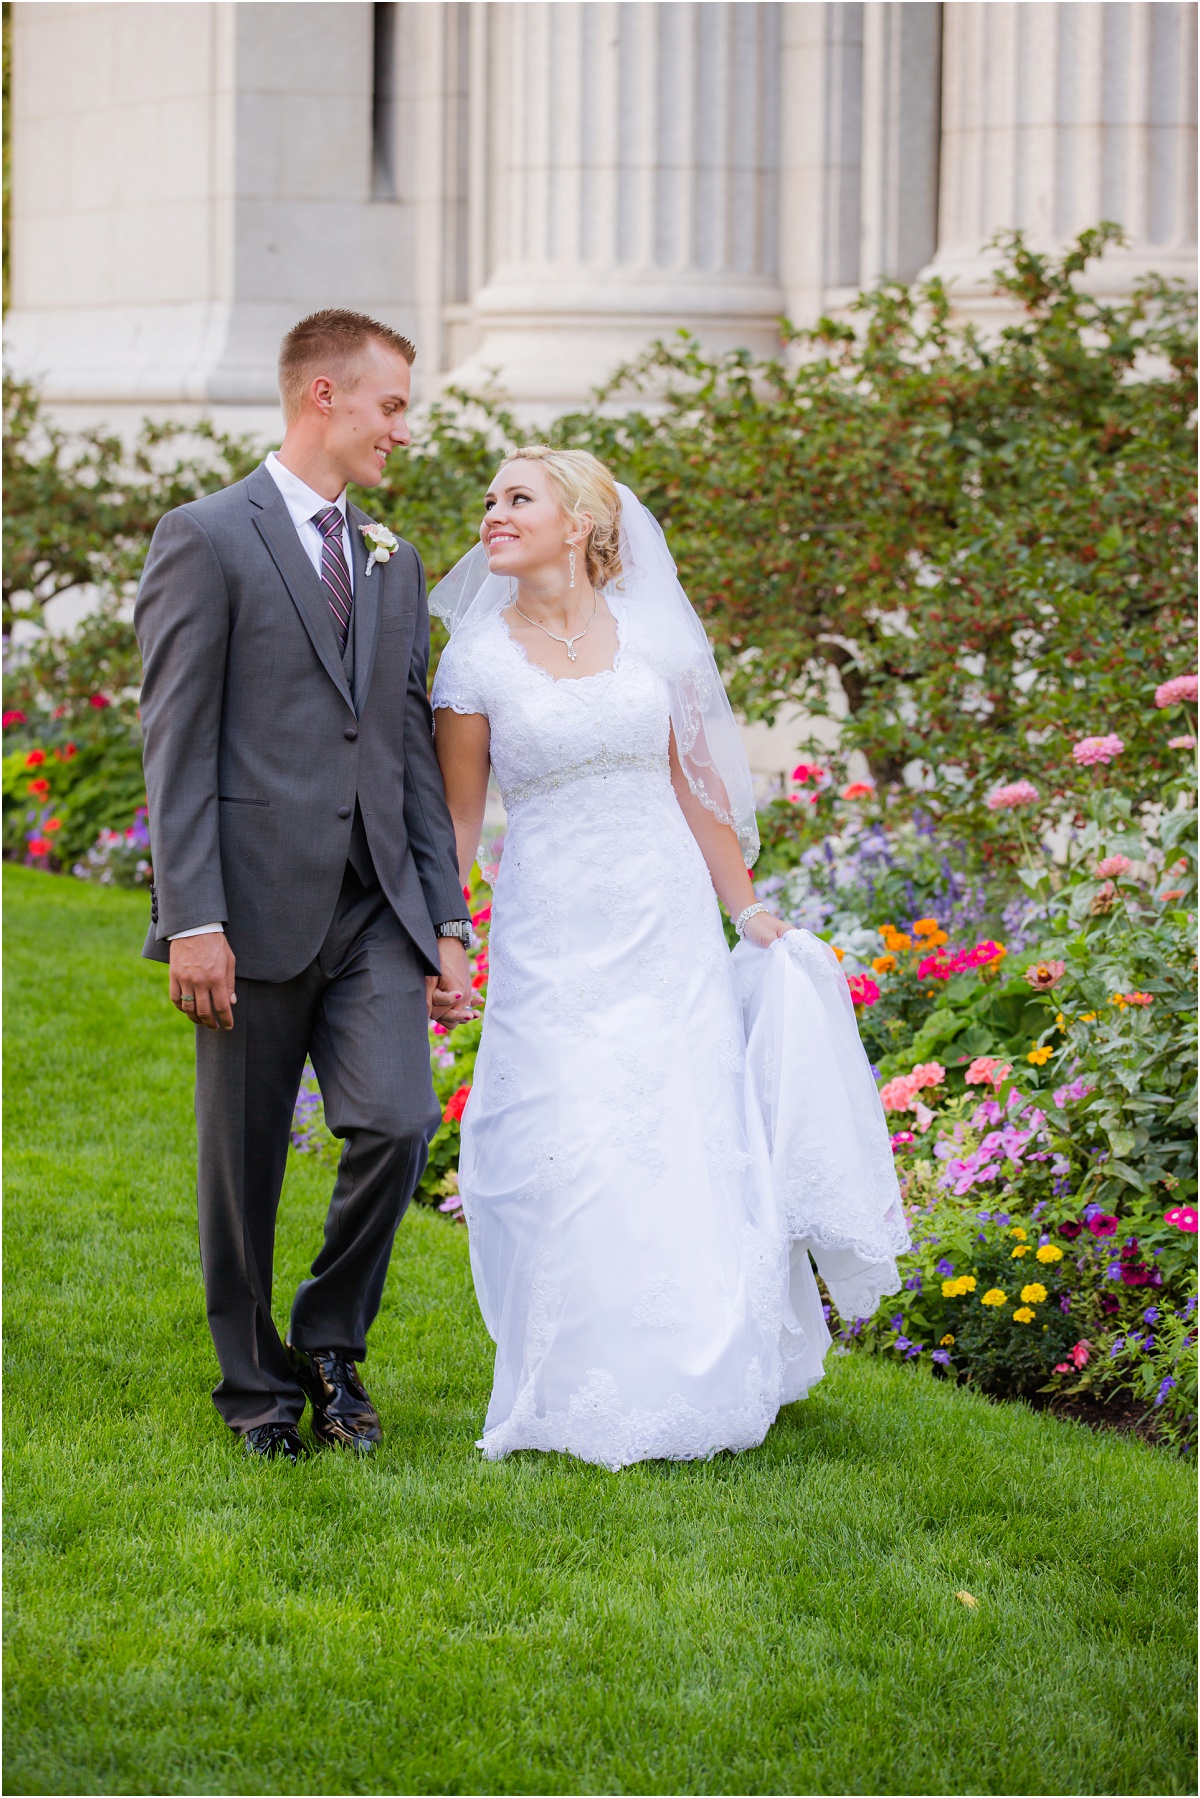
334 572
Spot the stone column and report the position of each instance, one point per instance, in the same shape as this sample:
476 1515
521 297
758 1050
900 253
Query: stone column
901 117
821 158
631 186
1057 116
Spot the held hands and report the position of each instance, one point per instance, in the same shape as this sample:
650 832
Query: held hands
763 928
447 995
202 979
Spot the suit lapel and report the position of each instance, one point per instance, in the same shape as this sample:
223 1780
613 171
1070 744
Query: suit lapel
367 594
274 524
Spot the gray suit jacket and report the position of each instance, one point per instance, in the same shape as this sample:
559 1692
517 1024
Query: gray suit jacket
256 751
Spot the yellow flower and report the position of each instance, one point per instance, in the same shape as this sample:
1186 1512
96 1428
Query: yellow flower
1034 1293
925 926
1022 1248
840 953
1118 999
1060 1021
1022 1315
951 1289
1089 1017
884 964
1039 1057
946 1342
968 1282
994 1297
1017 1232
1049 1252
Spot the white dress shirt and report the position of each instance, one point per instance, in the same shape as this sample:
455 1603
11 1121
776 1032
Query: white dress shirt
302 504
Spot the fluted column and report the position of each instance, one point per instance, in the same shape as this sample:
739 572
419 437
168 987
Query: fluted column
631 186
1056 116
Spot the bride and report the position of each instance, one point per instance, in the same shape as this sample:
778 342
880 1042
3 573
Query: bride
659 1134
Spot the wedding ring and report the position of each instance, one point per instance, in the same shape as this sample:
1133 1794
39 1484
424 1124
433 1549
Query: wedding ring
187 998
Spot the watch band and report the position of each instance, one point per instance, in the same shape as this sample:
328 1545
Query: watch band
456 927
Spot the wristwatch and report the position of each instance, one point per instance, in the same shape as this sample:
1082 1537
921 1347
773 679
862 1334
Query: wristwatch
456 927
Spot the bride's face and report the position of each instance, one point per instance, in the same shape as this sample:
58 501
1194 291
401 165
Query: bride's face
524 528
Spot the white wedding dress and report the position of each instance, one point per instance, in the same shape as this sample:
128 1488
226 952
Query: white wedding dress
659 1131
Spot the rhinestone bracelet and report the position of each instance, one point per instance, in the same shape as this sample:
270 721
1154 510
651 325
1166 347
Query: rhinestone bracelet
743 917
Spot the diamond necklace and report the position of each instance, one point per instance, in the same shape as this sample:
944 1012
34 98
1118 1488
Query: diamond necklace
568 643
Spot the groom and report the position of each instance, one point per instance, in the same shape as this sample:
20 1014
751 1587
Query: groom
300 837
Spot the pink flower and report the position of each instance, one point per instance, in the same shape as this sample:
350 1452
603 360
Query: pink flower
934 967
988 1070
13 718
902 1138
99 702
927 1073
1179 691
1081 1353
863 989
1042 975
1018 792
924 1116
1064 1367
1103 1223
1181 742
899 1094
858 789
1097 749
805 771
1183 1217
1113 866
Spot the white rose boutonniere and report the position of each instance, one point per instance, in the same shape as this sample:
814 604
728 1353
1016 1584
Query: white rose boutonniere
380 541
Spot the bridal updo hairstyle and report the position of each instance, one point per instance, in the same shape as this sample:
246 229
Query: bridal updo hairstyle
329 343
581 484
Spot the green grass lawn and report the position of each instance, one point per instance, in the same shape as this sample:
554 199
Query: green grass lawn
181 1620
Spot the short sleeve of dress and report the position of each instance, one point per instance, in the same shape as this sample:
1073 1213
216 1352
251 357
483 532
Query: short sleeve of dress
460 682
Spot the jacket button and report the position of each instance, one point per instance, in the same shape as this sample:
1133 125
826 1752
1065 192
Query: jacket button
343 811
350 734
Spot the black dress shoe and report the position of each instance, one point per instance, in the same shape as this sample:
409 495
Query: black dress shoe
342 1413
274 1442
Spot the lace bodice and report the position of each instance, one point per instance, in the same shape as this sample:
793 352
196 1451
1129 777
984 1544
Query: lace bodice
546 733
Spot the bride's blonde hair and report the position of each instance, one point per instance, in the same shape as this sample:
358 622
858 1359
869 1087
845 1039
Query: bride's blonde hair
582 484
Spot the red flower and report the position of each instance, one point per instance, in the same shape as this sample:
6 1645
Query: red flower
1102 1223
456 1104
40 846
52 824
98 700
65 754
39 788
1110 1304
35 758
1070 1231
13 718
858 789
479 980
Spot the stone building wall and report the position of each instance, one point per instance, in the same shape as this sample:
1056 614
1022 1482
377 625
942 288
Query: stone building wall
538 188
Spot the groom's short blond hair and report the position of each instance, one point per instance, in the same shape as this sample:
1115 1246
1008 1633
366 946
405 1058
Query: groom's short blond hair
329 343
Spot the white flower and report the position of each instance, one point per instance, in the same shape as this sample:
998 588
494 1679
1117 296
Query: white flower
381 542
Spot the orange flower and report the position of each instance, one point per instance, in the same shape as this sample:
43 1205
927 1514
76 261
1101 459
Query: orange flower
884 964
926 927
39 788
52 824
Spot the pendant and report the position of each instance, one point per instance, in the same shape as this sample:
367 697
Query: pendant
571 652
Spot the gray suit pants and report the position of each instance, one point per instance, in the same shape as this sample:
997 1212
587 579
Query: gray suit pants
359 1011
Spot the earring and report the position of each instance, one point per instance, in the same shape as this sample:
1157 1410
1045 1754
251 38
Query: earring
572 564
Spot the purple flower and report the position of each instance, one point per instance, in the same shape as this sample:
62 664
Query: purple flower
913 1283
1003 1219
941 1357
1064 1303
915 1348
1150 1314
902 1342
985 1217
945 1268
1163 1390
1118 1343
825 1310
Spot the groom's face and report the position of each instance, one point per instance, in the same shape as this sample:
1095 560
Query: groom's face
367 416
